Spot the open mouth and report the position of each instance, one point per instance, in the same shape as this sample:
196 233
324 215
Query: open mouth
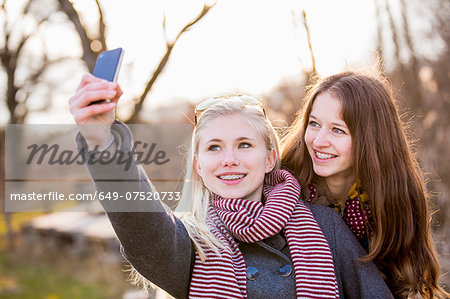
323 156
231 177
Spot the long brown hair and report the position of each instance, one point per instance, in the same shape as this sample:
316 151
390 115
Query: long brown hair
400 238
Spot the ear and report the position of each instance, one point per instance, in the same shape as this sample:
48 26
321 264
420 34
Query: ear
196 165
271 160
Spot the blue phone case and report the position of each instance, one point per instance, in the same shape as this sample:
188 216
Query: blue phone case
107 67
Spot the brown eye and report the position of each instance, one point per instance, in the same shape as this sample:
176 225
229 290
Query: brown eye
338 131
314 124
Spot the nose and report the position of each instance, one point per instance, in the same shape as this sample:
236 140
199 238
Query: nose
321 139
229 158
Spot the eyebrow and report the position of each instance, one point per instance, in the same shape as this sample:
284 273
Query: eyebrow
220 140
339 124
245 138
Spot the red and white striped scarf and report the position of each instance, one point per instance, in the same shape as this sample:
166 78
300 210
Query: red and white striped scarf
224 276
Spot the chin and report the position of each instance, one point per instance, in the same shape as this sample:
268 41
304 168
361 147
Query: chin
229 195
322 173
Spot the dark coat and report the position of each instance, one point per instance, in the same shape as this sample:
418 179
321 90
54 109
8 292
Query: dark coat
158 246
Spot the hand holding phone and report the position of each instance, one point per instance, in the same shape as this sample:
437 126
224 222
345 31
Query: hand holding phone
107 67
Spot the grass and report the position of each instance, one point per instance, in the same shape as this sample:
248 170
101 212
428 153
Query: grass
21 279
24 275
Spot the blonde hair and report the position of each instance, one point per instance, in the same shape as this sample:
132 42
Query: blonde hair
195 192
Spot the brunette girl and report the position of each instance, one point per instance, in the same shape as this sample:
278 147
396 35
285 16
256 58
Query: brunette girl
349 150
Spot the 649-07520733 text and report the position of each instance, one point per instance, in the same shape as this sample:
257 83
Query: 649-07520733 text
140 195
130 196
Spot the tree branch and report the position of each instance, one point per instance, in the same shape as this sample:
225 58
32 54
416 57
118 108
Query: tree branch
203 13
395 38
101 28
308 34
162 64
380 52
416 95
88 56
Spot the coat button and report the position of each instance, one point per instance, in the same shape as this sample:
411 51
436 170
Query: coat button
286 270
252 273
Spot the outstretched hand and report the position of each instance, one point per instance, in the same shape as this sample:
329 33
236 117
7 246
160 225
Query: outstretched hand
95 120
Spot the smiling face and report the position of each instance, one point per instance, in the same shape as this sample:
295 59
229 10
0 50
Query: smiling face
328 140
232 157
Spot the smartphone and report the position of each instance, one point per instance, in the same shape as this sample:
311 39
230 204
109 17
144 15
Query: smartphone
107 67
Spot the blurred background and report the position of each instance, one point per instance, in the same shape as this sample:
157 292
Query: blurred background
178 53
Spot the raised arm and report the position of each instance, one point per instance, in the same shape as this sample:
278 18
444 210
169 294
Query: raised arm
153 240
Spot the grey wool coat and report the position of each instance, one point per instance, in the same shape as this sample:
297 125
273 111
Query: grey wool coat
158 246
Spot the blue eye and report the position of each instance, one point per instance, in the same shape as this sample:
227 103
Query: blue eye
244 145
213 147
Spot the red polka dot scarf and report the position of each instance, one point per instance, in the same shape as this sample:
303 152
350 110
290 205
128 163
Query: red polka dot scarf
224 276
356 212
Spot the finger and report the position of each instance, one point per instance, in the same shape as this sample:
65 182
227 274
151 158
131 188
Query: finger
88 78
101 84
84 114
84 86
119 93
87 98
93 92
98 86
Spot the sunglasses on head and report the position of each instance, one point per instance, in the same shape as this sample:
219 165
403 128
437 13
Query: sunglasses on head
247 100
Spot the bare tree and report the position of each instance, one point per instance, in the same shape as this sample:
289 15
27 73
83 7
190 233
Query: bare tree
90 51
15 34
308 34
423 82
91 46
395 39
415 92
14 39
311 74
380 56
138 103
408 69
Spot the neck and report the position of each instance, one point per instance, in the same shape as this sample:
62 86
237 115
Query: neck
339 187
255 195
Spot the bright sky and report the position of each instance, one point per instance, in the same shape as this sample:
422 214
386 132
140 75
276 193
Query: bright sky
245 46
